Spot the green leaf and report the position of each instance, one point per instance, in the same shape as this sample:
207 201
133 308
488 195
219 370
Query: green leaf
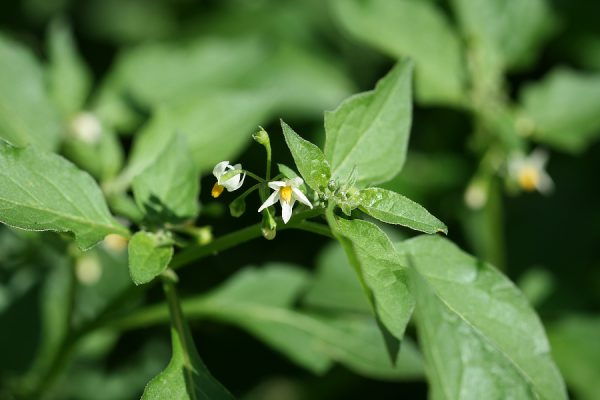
393 208
169 187
186 377
207 123
576 348
564 108
480 337
415 29
309 159
69 79
26 114
368 133
149 256
512 31
42 191
382 271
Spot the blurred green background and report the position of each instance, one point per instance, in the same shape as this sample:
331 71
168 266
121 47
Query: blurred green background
228 66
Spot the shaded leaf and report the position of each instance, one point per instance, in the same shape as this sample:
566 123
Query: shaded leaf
393 208
480 337
42 191
148 256
415 29
368 133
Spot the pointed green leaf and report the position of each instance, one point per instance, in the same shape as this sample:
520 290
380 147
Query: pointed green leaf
393 208
69 78
148 256
480 337
564 108
382 272
26 114
42 191
415 29
368 133
309 159
168 189
186 377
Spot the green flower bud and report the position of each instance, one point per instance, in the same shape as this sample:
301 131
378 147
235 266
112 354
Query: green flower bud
237 207
262 137
269 226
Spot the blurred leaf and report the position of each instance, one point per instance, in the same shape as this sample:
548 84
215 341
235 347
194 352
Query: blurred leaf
168 189
393 208
69 78
536 284
148 257
369 131
576 348
379 267
186 376
480 337
26 114
415 29
564 108
512 31
42 191
221 123
309 159
335 286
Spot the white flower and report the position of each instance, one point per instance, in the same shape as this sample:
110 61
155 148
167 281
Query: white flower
231 184
529 171
287 193
86 127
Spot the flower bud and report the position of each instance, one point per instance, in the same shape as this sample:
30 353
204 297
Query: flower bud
269 226
262 137
237 207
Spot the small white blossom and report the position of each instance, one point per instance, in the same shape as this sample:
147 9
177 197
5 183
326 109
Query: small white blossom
286 192
529 171
86 127
231 184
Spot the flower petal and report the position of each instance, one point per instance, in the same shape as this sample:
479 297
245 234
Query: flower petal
220 168
232 183
545 184
539 158
295 182
286 211
272 199
301 197
276 185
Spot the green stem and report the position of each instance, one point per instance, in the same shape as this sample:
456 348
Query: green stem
268 172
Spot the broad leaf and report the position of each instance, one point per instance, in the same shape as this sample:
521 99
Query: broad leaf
564 108
381 270
26 114
511 31
576 348
480 337
393 208
168 189
186 377
69 78
222 123
367 135
149 256
42 191
415 29
309 159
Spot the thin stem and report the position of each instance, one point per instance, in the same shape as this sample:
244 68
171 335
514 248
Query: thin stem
248 191
268 148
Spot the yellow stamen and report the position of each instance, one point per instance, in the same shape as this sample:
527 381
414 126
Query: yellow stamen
286 194
216 190
529 178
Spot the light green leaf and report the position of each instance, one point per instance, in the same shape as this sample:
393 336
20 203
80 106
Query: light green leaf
564 108
368 133
149 256
393 208
222 123
42 191
381 270
168 189
480 337
511 31
69 79
26 114
309 159
415 29
576 348
186 377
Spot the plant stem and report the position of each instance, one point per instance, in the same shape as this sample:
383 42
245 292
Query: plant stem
268 172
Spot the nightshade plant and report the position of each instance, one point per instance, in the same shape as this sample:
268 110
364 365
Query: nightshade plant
129 221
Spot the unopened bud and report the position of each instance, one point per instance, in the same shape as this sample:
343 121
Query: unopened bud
237 207
269 226
262 137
